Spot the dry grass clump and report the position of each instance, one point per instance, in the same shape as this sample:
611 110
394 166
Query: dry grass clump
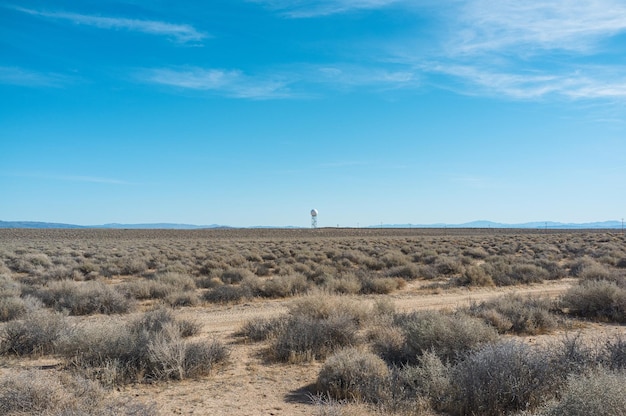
305 338
500 379
228 294
508 377
280 286
601 392
514 314
152 347
84 298
354 374
447 335
596 299
38 332
53 394
316 326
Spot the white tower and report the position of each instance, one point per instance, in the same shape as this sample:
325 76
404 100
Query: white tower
313 218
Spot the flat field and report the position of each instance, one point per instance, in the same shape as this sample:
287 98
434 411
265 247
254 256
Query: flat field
285 322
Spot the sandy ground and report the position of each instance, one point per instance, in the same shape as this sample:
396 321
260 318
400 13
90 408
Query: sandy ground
248 385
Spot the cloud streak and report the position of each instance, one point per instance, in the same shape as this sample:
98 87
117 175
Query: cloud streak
527 50
10 75
315 8
280 84
521 27
231 83
70 178
181 33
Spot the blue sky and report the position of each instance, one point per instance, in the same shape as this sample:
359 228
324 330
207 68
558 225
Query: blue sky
252 112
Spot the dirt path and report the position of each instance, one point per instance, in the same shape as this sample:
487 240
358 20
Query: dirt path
249 385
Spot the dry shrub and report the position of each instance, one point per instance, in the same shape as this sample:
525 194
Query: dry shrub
388 342
578 266
394 259
355 375
476 276
500 379
448 265
381 285
11 307
614 353
596 299
429 380
448 335
347 284
261 329
37 333
476 252
236 275
284 286
182 298
599 393
516 314
132 266
84 298
227 294
142 289
53 394
408 271
172 358
306 338
528 273
322 306
149 348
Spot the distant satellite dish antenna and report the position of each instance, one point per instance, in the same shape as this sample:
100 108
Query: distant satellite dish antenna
313 218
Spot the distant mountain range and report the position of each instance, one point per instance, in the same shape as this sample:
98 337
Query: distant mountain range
490 224
161 226
473 224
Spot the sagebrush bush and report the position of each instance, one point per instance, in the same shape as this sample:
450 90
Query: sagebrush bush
236 275
321 306
476 276
284 286
306 338
599 393
355 375
261 329
448 335
428 380
407 271
44 393
148 348
38 332
596 299
227 294
11 307
499 379
84 298
516 314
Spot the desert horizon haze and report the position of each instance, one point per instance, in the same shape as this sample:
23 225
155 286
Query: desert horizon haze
251 112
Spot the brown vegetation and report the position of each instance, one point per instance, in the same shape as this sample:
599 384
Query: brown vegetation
108 308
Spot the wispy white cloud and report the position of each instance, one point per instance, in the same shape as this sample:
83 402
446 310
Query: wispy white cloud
232 83
582 83
360 75
316 8
23 77
182 33
293 82
527 50
69 178
527 27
